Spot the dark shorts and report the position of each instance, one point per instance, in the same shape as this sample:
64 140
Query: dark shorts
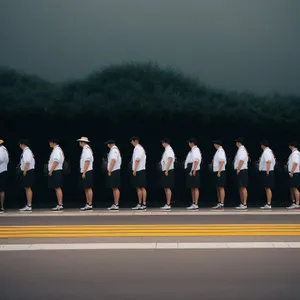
167 182
88 181
28 180
3 181
267 181
114 180
242 179
220 181
294 182
192 181
139 181
56 180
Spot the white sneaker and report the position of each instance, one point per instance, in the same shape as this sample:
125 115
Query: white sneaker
114 207
241 207
294 206
166 207
193 207
138 207
219 206
58 208
26 209
267 206
87 207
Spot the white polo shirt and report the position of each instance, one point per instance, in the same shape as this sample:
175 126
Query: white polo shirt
219 157
241 154
168 153
193 156
27 157
86 155
140 155
114 153
57 155
294 158
4 159
266 156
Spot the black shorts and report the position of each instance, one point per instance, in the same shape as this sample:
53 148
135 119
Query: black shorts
192 181
267 181
114 180
56 180
139 181
3 181
294 182
167 182
28 180
220 181
242 179
88 181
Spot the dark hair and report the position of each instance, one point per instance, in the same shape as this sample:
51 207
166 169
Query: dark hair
24 142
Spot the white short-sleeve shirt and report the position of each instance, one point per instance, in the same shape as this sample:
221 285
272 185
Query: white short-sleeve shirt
4 159
86 155
241 154
56 155
114 153
193 156
219 157
267 156
27 157
139 154
294 158
168 153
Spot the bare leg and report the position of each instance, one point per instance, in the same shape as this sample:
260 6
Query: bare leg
89 196
297 195
168 193
28 192
139 194
245 195
144 195
196 195
221 194
292 195
193 195
116 193
218 194
59 196
2 197
269 195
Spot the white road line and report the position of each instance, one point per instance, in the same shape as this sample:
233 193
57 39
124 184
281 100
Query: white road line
153 246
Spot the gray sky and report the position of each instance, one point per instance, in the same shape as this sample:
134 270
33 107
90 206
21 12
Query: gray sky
235 44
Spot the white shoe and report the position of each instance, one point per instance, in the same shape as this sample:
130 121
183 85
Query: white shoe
87 207
114 207
294 206
58 208
219 206
241 207
267 206
166 207
193 207
26 209
138 207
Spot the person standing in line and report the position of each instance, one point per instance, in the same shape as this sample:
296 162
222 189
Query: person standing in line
4 160
241 168
294 175
139 173
192 168
219 166
86 172
27 178
55 172
167 173
114 172
266 168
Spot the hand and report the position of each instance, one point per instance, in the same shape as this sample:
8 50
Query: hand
194 173
166 173
191 174
291 174
237 172
134 173
24 173
50 173
83 176
109 173
268 173
219 174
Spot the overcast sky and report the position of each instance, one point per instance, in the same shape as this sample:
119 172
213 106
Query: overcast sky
235 44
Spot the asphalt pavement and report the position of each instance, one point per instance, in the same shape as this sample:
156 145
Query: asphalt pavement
151 274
